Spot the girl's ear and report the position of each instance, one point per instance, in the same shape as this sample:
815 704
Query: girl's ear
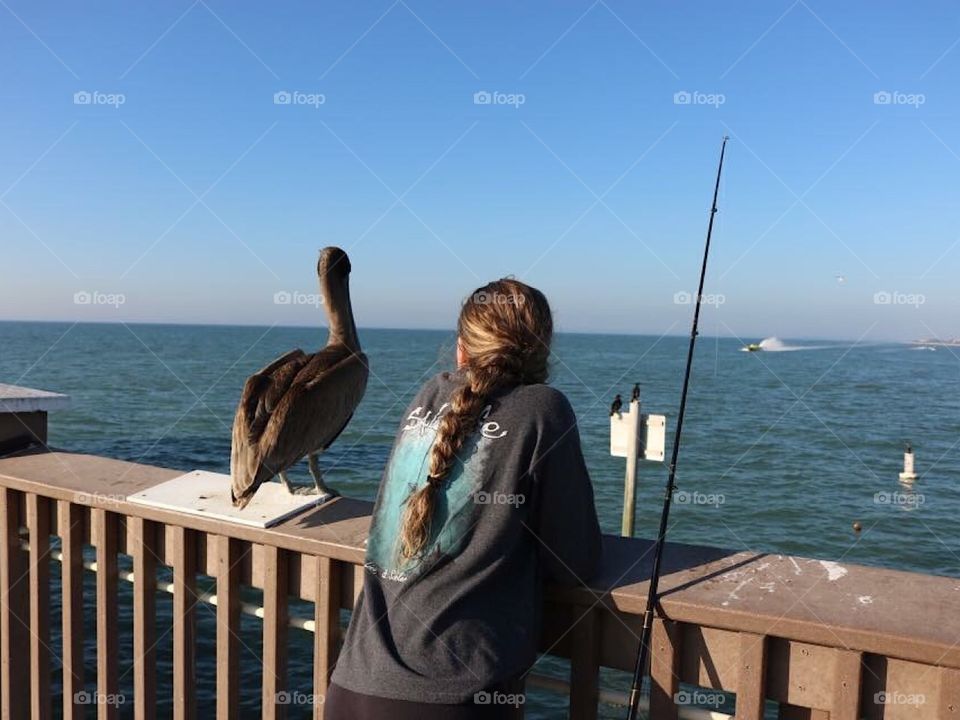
461 355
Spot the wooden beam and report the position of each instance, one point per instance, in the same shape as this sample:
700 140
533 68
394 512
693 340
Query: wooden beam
664 669
14 610
144 551
184 622
847 680
104 526
228 627
751 685
275 698
584 664
70 527
326 636
38 524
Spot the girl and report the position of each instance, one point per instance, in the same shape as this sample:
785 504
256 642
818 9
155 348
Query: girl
486 496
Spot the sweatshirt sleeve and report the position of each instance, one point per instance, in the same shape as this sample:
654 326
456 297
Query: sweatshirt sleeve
565 517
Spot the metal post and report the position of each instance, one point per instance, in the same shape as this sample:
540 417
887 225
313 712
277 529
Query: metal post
630 479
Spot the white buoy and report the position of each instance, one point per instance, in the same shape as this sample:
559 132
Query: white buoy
908 474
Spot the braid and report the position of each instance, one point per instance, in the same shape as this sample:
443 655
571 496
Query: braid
505 330
466 404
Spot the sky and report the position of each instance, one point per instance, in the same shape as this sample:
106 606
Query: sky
185 161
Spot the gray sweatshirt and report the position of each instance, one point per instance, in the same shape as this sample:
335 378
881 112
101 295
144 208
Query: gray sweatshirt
516 512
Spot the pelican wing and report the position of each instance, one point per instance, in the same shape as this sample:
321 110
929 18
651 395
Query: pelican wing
311 413
261 394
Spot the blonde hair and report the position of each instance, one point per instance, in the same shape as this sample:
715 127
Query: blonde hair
504 330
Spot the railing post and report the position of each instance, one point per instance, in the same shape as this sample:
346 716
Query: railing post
14 610
184 629
847 678
585 664
326 616
228 628
752 676
105 530
664 669
70 519
144 551
275 634
38 524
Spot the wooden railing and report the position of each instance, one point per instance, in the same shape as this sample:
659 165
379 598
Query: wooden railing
819 640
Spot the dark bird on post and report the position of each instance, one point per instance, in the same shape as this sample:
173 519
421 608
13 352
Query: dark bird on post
635 395
615 407
300 403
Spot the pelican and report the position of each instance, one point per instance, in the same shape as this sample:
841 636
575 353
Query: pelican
300 403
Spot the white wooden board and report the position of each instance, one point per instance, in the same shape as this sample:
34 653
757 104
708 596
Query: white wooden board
208 494
652 430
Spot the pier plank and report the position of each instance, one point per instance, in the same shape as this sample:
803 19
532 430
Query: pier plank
275 697
664 669
585 664
228 570
70 528
38 524
326 636
104 526
184 622
144 551
14 609
752 685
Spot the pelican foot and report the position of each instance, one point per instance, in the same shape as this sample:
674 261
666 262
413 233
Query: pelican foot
323 496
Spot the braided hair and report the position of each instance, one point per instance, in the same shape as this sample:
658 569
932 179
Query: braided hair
504 331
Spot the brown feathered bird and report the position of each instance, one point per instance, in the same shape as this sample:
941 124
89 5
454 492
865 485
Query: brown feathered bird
300 403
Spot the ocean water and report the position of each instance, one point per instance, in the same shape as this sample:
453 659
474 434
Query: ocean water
782 450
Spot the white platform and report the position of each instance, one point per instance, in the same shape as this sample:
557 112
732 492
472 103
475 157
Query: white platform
16 399
207 494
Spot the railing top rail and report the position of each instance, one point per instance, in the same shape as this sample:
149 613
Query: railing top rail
888 612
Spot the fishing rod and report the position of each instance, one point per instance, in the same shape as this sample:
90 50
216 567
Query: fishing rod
644 651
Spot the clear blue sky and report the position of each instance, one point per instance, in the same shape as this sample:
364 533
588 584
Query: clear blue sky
198 198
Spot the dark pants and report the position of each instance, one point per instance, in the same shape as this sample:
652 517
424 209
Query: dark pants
343 704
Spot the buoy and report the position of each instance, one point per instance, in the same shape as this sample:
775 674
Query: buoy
857 527
908 474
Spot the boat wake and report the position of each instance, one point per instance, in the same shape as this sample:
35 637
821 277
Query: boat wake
775 344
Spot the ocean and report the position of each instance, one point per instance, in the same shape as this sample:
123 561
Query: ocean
783 450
